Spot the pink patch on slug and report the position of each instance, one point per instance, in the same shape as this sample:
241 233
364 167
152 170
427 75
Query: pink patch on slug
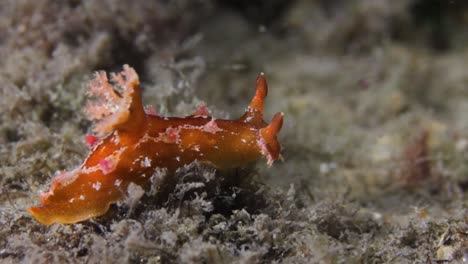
172 134
106 166
211 127
201 111
91 141
151 111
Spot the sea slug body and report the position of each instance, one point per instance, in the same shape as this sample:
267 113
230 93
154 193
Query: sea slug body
130 144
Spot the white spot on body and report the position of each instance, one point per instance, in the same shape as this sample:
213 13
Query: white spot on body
117 182
81 197
71 200
146 162
116 138
97 186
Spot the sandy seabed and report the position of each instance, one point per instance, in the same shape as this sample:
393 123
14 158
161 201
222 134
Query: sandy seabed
375 139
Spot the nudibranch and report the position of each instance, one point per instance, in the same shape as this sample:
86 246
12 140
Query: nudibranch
130 144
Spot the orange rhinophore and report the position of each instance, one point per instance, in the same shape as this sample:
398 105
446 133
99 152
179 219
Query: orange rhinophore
130 145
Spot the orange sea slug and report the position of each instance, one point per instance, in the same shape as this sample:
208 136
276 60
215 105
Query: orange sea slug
130 145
